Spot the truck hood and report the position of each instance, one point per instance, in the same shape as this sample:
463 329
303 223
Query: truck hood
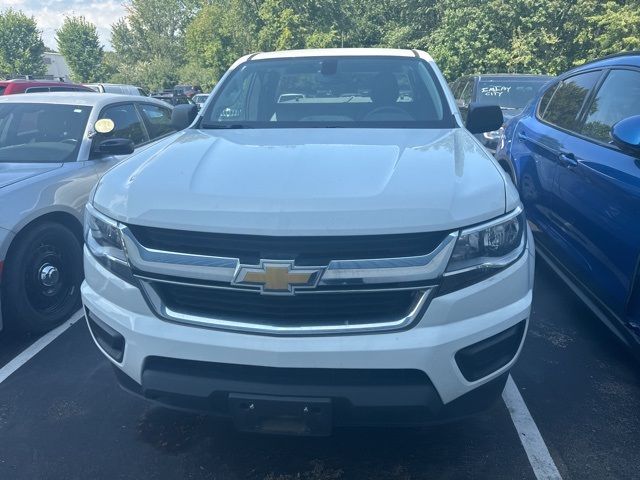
15 172
307 181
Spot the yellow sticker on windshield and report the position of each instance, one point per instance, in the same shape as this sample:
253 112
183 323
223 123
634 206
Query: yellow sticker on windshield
104 125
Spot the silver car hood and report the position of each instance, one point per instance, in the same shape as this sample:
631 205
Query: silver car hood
308 181
14 172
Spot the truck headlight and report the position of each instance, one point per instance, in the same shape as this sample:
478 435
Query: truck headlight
103 239
491 245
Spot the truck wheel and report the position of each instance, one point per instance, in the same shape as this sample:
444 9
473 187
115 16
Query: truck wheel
42 278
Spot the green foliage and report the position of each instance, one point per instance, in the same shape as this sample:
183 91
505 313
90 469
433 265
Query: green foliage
193 73
109 67
149 41
287 24
283 28
464 36
528 36
194 41
617 28
21 45
213 42
156 73
79 44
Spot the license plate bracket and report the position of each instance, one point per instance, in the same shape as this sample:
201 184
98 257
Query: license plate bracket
281 415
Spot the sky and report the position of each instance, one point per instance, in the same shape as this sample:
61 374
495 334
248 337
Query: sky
49 15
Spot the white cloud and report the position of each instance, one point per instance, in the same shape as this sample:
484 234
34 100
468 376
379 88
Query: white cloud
49 15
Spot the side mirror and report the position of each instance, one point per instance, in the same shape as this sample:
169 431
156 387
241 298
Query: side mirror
116 146
626 135
183 115
484 118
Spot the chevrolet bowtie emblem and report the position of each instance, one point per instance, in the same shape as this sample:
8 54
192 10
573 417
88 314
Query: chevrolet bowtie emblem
277 277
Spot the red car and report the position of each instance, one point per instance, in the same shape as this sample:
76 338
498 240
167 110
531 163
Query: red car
9 87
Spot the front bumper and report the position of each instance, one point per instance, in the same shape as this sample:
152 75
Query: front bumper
358 397
174 363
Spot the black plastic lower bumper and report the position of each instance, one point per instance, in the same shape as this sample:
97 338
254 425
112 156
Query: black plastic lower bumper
341 397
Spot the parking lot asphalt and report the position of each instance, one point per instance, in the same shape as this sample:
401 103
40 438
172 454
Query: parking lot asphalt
62 416
12 345
581 386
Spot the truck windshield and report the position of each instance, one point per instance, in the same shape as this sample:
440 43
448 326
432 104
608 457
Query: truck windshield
352 92
509 93
34 132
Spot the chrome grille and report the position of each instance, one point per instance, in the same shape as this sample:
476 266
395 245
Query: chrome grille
320 250
354 290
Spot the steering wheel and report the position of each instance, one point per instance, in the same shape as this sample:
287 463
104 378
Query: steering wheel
72 141
388 109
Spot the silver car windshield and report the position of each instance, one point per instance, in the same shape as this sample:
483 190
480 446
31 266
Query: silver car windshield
348 92
41 133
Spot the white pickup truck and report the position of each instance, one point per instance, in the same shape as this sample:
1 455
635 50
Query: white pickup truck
347 255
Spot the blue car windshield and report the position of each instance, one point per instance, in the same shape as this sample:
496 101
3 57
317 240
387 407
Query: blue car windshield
40 132
316 92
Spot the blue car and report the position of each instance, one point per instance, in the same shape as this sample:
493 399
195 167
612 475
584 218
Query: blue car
574 154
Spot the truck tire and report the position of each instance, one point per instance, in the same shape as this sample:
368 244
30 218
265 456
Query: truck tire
42 276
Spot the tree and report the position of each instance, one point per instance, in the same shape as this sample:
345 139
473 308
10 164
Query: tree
156 73
109 67
200 39
283 28
617 27
21 45
531 36
213 41
151 34
78 42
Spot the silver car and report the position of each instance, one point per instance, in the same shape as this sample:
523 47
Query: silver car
53 149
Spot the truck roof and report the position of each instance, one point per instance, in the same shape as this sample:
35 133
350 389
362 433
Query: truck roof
339 52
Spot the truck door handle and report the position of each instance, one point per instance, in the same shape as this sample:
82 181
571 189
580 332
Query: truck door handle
567 159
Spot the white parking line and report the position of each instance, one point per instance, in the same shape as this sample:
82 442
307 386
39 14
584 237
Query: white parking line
539 457
31 351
